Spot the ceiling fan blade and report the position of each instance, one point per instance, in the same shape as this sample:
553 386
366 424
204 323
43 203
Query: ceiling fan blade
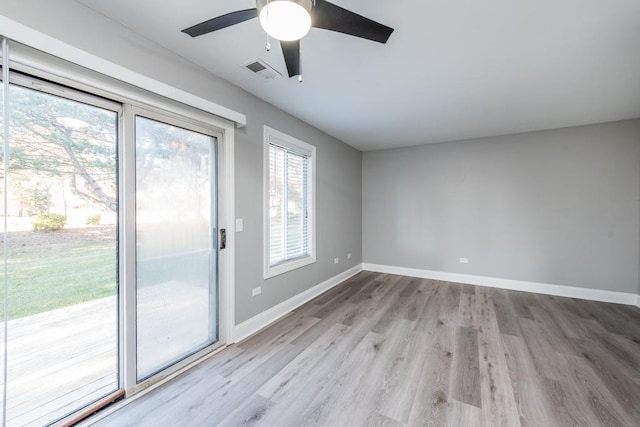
291 52
331 17
221 22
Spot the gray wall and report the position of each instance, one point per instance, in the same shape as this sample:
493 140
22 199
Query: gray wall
557 206
339 191
339 211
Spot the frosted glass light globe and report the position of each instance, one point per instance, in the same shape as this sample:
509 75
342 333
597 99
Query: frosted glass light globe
285 20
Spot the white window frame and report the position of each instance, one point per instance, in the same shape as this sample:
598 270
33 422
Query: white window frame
273 136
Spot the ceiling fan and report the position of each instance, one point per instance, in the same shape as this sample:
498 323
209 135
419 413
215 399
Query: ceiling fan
290 20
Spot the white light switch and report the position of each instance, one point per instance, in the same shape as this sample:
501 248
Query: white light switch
256 291
464 260
239 225
336 260
348 256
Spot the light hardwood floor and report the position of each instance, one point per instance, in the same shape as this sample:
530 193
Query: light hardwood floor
391 350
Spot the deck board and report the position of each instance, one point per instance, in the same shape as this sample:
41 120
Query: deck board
64 359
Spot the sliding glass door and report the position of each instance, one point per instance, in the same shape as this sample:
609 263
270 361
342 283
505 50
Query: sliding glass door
176 229
110 242
61 251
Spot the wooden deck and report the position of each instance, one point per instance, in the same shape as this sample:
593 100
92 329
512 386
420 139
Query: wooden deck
60 360
67 358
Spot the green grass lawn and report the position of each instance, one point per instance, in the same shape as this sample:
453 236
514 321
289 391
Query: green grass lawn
54 276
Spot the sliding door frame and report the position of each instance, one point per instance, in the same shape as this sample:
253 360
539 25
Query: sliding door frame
13 76
55 71
224 215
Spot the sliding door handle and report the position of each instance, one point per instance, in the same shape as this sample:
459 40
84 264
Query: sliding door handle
223 238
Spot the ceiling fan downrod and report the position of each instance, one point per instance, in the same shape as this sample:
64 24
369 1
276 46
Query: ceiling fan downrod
300 63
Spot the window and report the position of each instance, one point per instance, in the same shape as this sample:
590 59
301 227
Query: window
289 195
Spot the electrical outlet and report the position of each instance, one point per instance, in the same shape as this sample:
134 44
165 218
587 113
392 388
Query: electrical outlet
256 291
464 260
239 225
348 256
336 260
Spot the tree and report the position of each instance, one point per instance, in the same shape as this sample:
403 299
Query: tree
52 136
36 198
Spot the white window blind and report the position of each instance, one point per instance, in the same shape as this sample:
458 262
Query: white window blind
288 205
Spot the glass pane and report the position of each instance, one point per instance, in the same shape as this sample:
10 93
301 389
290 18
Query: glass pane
176 266
288 234
276 205
62 256
296 206
4 213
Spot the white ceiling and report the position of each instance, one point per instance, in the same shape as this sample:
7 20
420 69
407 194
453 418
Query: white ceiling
452 70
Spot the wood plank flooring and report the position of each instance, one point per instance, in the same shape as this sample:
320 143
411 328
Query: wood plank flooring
391 350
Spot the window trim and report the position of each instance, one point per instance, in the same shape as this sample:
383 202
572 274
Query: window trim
276 137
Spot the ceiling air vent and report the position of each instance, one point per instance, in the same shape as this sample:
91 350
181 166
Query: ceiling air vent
262 69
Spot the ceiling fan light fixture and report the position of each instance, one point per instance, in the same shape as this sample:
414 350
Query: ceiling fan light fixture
285 20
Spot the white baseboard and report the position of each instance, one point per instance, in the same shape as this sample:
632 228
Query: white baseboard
516 285
264 319
638 301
